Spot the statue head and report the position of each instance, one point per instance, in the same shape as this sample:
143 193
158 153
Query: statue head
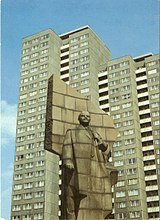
84 118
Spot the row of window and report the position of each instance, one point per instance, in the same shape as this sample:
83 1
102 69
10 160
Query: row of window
84 66
35 47
29 185
132 203
35 40
76 39
38 205
29 195
30 174
34 62
117 82
117 90
118 73
31 110
77 76
121 162
126 142
31 119
117 107
132 215
30 128
76 46
32 78
74 54
82 59
121 153
76 84
130 171
30 136
33 93
33 55
119 65
133 192
37 216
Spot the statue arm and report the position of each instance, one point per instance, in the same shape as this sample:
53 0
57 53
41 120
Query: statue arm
67 151
101 144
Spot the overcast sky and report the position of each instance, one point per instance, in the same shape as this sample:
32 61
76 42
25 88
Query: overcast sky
127 27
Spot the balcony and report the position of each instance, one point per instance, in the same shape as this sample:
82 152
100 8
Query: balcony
103 90
102 74
153 209
64 76
103 82
65 47
143 103
142 86
145 120
143 69
150 167
150 138
140 95
65 61
64 68
145 111
152 177
146 129
103 98
151 188
149 157
141 78
104 106
65 53
151 147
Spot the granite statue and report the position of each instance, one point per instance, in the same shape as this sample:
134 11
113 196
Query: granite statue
87 174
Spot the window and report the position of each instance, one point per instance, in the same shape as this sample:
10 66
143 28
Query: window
85 90
17 197
121 205
84 51
27 207
120 194
29 175
39 173
39 183
24 96
84 74
129 141
131 171
38 205
117 116
18 177
128 132
28 185
16 208
74 54
134 203
152 71
130 151
118 153
39 194
40 163
29 165
132 181
18 187
120 183
131 160
34 55
134 214
27 195
126 105
118 163
115 108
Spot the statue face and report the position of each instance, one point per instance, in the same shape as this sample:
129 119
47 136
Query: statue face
84 118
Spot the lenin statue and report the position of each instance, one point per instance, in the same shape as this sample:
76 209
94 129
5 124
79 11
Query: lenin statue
87 174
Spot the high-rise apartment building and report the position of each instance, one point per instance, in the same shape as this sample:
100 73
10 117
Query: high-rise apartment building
126 88
76 57
129 92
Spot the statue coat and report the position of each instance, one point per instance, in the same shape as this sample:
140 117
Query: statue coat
90 177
